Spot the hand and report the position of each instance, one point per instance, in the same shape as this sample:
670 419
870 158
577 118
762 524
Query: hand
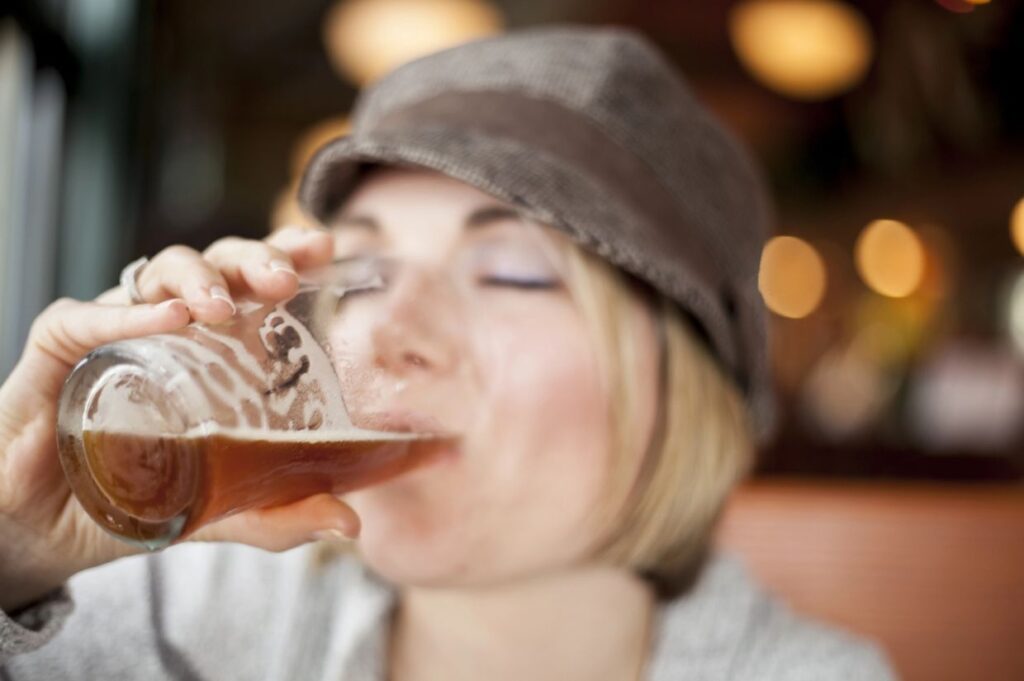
45 535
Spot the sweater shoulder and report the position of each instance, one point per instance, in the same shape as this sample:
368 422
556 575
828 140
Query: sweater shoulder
729 627
184 611
786 646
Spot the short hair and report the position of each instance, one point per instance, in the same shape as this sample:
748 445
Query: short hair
659 522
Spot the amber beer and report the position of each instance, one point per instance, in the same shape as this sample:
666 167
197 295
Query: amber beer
153 489
161 435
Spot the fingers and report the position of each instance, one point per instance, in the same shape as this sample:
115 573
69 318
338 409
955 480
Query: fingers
68 329
307 247
231 267
267 269
321 516
182 272
254 268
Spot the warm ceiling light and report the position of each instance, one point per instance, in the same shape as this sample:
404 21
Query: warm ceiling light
1017 225
960 6
890 258
807 49
315 137
367 38
286 212
792 277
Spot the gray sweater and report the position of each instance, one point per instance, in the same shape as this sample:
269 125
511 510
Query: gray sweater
231 612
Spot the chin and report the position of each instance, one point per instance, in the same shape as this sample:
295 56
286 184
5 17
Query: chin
417 549
412 555
416 528
411 534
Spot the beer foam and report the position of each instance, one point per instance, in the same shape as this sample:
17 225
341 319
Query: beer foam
304 436
296 436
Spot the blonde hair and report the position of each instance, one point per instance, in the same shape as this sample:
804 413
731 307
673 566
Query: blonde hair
658 522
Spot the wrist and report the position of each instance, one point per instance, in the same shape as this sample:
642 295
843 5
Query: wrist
19 591
27 570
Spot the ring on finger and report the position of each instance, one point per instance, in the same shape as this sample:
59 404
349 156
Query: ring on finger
130 279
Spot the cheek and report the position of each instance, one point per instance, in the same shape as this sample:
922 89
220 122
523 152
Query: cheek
548 388
520 499
546 429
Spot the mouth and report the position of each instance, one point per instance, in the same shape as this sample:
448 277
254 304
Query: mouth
433 445
403 421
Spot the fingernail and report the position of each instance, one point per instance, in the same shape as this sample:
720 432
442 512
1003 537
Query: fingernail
220 293
167 304
305 230
333 536
281 266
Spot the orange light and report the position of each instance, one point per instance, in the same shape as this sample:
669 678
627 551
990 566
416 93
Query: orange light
314 138
890 258
286 212
367 38
1017 225
806 49
792 277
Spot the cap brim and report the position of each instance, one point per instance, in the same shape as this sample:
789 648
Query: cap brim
334 171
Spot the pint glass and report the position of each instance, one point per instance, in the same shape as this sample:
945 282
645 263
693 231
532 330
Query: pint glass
161 435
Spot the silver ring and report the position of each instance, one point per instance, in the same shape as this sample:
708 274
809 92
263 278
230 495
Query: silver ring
130 279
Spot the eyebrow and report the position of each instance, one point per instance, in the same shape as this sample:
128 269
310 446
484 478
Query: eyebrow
480 217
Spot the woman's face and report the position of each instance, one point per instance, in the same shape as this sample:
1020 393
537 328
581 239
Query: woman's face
477 330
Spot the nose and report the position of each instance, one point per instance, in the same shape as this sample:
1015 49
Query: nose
418 330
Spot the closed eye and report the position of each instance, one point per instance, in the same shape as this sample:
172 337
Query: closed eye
524 284
375 284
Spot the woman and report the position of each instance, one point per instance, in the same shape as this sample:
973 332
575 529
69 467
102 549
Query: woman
578 242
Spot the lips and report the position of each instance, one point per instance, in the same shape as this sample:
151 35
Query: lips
402 421
435 445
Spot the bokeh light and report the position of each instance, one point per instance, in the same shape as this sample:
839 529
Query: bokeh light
959 6
315 137
1015 313
792 277
967 396
845 393
806 49
286 212
890 258
1017 225
367 38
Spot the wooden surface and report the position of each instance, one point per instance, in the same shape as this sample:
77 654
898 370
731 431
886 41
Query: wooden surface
934 573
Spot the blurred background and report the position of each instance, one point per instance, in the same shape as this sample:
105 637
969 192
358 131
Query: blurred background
892 131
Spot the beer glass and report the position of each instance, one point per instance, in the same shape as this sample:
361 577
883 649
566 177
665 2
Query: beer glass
161 435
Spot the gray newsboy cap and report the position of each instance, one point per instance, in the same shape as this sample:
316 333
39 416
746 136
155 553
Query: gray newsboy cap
591 131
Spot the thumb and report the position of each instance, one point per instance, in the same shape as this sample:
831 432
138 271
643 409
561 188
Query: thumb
322 516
